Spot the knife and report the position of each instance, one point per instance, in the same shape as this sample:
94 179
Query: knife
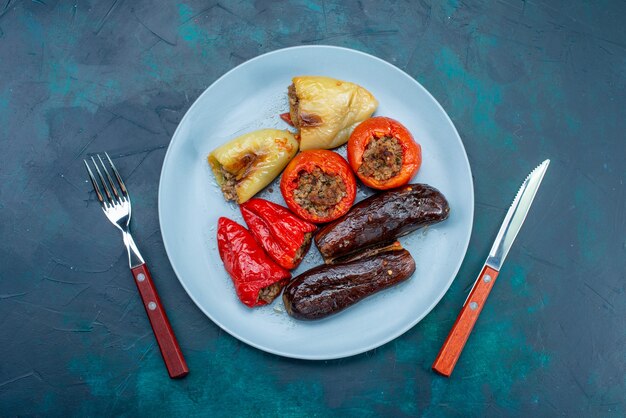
453 346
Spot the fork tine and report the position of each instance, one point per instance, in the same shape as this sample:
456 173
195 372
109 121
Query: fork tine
111 183
117 176
102 181
94 183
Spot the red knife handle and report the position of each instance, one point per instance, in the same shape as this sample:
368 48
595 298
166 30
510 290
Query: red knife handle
172 355
453 346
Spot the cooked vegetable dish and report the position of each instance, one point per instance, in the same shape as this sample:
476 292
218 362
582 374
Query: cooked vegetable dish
283 236
383 153
326 110
382 218
318 186
247 164
328 289
358 243
257 279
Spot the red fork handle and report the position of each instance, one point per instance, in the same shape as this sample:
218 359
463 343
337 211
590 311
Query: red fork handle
453 346
172 355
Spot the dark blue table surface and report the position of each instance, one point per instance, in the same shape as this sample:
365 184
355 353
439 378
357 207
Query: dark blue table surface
522 81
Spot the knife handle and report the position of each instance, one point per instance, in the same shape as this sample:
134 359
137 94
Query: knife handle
170 350
453 346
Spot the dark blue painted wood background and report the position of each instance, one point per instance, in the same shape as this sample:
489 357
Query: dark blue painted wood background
522 81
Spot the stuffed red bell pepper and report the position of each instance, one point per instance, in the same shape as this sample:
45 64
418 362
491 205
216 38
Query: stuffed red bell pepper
383 153
318 186
285 237
257 279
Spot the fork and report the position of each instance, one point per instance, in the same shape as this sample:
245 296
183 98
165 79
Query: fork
117 208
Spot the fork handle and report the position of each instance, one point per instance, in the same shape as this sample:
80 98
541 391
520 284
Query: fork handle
170 350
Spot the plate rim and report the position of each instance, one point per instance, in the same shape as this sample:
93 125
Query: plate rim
346 353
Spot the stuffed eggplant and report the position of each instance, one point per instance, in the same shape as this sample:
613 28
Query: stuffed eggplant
326 110
382 218
247 164
328 289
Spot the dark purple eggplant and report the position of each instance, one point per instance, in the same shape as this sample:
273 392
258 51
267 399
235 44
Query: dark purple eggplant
328 289
380 219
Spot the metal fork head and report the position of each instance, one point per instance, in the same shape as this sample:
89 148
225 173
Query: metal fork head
115 201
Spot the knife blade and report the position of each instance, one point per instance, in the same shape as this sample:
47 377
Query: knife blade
513 221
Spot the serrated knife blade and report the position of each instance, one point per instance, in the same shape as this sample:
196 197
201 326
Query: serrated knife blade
513 221
515 216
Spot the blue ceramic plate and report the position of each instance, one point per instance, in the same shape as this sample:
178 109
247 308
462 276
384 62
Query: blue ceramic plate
250 97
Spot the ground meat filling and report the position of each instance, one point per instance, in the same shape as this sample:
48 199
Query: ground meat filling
293 105
229 184
318 192
305 246
382 159
298 118
269 293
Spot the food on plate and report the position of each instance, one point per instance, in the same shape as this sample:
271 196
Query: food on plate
383 153
318 186
284 237
286 117
368 252
325 110
248 163
358 243
328 289
382 218
257 279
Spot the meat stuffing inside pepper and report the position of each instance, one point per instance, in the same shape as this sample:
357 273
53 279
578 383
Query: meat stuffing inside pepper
293 105
301 252
382 158
318 192
269 293
229 186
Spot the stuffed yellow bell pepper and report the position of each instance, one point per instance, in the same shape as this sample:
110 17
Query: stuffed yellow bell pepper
326 110
248 163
